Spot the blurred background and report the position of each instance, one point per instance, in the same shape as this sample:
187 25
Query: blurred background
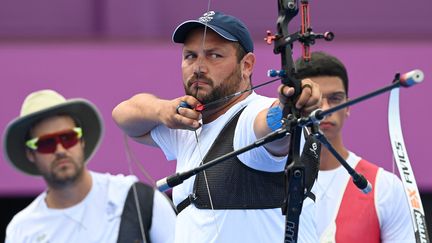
107 51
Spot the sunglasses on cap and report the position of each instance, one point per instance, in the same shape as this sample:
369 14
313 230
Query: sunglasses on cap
48 143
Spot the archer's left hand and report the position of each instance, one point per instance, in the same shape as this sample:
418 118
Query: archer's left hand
309 98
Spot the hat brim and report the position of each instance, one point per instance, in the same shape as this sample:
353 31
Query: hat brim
182 31
16 131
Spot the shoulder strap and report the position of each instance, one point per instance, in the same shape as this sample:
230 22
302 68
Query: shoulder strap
129 225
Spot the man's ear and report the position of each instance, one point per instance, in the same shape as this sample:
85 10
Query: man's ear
30 155
247 64
82 143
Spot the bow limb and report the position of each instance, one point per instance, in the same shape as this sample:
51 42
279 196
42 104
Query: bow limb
400 154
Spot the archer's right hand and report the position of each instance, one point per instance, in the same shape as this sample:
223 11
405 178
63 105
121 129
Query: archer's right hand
181 115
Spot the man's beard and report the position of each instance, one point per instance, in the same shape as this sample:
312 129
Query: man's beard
57 178
228 86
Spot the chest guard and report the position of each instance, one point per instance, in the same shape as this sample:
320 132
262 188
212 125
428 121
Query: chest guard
232 184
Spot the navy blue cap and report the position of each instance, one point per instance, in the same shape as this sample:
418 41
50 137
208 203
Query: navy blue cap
226 26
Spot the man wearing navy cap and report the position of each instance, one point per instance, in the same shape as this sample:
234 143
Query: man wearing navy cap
238 200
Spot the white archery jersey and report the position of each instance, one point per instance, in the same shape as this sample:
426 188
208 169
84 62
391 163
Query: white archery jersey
390 203
206 225
95 219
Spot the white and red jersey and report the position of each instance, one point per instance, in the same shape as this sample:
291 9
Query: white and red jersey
345 214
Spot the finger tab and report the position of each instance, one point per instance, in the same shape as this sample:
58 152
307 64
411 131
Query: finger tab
199 108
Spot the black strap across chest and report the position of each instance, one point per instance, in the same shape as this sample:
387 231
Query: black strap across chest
129 225
232 184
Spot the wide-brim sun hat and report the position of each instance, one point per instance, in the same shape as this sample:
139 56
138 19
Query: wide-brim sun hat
43 104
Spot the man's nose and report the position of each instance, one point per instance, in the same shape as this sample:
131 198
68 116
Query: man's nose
200 66
60 149
324 104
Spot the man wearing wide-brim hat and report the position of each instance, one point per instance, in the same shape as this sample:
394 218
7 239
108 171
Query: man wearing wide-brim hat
55 138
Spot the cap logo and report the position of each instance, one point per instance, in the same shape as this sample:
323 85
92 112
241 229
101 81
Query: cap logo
207 17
